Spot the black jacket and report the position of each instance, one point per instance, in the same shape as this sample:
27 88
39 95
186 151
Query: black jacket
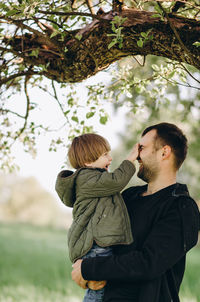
165 226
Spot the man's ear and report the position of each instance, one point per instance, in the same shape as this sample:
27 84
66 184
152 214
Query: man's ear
166 151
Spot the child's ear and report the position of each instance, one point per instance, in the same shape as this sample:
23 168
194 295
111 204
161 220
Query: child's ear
86 164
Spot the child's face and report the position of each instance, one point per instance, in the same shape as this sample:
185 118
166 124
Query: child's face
102 162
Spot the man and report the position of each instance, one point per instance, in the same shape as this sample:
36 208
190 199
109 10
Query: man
164 222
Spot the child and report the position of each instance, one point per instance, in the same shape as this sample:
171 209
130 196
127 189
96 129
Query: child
100 217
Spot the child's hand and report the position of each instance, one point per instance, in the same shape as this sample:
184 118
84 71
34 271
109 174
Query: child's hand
134 153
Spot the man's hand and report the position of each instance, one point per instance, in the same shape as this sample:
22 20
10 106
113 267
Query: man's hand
77 276
96 285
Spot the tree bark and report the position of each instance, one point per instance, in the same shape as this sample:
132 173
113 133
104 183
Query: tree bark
84 58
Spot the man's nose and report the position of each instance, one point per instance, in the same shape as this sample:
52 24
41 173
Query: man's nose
139 149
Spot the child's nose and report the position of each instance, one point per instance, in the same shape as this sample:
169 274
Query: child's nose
110 157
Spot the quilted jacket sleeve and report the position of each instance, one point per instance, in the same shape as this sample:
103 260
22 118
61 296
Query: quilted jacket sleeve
101 184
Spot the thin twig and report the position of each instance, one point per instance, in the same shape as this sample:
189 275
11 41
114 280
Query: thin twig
71 14
27 106
59 104
54 90
181 84
12 112
191 75
142 65
55 96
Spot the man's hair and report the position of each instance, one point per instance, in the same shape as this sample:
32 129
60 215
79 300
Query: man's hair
87 148
169 134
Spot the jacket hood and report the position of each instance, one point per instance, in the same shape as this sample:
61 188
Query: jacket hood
65 186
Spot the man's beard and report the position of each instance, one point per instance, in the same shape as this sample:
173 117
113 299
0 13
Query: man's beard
147 173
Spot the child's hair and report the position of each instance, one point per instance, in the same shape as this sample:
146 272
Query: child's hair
87 148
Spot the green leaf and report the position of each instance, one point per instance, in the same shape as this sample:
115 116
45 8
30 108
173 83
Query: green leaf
54 33
75 119
103 119
43 67
113 27
156 16
34 53
120 44
155 67
112 43
158 9
171 74
90 114
144 35
78 37
140 43
111 35
197 44
11 12
70 101
148 31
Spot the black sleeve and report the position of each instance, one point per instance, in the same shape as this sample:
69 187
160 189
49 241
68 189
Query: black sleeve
162 249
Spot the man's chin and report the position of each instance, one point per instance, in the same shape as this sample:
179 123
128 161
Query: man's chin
141 175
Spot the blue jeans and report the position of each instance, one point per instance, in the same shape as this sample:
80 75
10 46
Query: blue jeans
96 295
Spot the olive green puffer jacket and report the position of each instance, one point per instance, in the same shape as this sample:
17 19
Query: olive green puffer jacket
99 212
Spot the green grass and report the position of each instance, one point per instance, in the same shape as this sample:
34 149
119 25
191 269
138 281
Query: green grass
191 283
34 267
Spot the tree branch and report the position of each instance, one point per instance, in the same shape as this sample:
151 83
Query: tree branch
90 7
17 75
72 13
44 38
81 58
177 35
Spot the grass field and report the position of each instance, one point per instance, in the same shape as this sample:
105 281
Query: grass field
34 267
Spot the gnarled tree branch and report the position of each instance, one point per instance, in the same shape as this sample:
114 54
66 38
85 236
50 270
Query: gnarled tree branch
73 62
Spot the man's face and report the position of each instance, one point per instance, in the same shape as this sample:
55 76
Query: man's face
148 157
